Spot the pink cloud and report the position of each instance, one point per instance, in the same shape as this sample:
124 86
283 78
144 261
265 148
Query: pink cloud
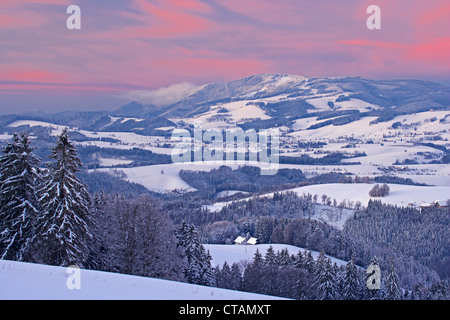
371 44
32 75
164 20
190 5
435 15
436 52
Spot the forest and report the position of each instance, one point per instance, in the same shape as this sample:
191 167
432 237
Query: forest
48 215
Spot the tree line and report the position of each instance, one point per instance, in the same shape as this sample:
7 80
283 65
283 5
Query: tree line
300 276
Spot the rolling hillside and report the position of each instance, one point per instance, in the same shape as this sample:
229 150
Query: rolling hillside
27 281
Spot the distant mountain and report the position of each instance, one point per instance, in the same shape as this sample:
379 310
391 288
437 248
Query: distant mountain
405 95
281 97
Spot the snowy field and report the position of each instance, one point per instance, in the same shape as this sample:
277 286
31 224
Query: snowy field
400 195
390 145
413 125
235 253
165 177
27 281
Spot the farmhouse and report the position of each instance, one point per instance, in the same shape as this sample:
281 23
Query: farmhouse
435 204
239 240
242 240
252 241
440 204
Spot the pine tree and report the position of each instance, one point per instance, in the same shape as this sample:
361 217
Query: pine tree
198 269
270 258
326 281
223 276
20 176
299 260
351 285
393 288
64 228
208 275
236 277
309 262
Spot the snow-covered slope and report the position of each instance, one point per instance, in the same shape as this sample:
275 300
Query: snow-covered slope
19 280
400 195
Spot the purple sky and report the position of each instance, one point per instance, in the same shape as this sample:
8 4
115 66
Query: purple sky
130 49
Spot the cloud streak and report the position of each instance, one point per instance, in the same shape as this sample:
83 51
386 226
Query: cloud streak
164 96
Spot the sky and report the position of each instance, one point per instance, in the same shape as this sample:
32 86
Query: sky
158 50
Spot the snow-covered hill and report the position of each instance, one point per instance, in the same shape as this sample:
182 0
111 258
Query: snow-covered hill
27 281
236 253
400 195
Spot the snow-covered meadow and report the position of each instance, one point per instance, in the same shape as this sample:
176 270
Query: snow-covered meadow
245 252
27 281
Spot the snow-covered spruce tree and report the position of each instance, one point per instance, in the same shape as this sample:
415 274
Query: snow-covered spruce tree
20 176
393 288
326 280
64 227
198 269
351 289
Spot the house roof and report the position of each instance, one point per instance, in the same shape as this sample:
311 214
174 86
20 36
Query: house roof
239 239
425 205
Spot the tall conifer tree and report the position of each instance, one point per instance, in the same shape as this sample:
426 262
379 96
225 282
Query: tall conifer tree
20 177
64 228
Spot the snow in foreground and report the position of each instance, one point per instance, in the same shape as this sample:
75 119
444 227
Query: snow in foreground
19 280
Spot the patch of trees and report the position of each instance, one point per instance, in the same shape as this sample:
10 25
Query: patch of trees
384 115
329 159
289 108
379 191
245 178
339 121
446 159
258 124
435 146
335 113
311 144
331 177
405 162
397 180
